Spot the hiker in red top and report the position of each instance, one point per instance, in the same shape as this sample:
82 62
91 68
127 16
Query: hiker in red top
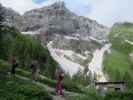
14 65
58 84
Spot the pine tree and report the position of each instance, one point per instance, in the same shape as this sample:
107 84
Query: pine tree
1 30
1 18
1 14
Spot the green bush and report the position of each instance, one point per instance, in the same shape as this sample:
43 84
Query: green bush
70 85
47 81
33 91
12 88
4 66
81 79
109 96
119 96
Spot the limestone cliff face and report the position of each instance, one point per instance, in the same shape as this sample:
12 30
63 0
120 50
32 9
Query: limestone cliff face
11 17
55 19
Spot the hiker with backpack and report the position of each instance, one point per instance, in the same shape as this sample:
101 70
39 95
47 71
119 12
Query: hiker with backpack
58 84
35 70
14 65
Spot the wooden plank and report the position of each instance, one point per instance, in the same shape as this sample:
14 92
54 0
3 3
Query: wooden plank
113 83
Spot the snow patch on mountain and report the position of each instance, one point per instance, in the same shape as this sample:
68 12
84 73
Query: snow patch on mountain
71 38
95 66
67 65
70 54
30 32
97 40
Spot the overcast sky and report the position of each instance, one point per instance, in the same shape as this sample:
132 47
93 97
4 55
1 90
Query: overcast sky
106 12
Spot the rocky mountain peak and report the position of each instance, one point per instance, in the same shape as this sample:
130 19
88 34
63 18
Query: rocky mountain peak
56 19
59 5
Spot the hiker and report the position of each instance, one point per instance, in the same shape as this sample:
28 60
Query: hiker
14 65
58 84
35 69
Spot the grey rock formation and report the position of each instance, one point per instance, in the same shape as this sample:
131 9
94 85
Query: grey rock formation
55 19
11 17
131 56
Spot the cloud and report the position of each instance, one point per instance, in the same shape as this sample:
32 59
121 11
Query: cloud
108 12
22 6
19 5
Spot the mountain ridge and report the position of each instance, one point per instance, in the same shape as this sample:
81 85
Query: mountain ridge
55 18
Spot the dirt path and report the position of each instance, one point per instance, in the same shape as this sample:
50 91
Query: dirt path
58 98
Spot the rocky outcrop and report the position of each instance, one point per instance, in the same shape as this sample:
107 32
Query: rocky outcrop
131 56
12 18
57 19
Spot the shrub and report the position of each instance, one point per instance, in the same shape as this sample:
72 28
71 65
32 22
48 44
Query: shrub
33 91
4 66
